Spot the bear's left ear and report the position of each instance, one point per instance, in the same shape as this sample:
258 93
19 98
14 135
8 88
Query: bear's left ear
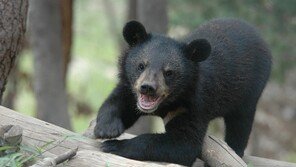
134 32
198 50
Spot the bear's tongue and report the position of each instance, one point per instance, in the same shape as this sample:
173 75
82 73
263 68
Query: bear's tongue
147 102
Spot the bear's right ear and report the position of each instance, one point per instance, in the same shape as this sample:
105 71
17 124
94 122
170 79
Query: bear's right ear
134 33
198 50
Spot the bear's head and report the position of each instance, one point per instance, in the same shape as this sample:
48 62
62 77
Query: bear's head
160 69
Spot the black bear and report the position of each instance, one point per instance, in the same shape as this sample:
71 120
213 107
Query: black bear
219 70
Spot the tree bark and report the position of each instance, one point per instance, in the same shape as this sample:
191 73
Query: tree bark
49 82
11 88
153 15
12 28
67 20
132 10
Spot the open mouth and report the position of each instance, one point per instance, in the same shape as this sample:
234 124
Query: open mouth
148 104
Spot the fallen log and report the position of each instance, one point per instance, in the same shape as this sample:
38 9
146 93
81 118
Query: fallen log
39 133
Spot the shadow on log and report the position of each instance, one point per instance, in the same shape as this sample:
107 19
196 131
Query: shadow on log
38 133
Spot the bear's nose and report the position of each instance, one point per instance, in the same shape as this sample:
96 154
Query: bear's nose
147 89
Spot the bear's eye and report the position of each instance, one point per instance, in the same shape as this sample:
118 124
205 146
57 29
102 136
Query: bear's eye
141 67
168 73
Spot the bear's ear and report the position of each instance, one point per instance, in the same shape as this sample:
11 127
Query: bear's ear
134 33
198 50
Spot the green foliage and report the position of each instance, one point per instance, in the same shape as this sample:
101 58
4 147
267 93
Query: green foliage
28 154
25 96
11 160
18 159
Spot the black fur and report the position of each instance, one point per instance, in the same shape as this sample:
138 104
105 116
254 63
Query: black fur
227 84
198 50
134 32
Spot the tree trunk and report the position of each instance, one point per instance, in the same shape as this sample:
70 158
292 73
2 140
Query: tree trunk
49 81
132 10
67 20
12 28
153 15
11 88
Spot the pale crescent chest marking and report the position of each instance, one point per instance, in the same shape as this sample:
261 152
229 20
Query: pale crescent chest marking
173 114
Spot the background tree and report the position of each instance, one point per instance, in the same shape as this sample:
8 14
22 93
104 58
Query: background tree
67 22
153 14
11 88
12 28
45 20
132 10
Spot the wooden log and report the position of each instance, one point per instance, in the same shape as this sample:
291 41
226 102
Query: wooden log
38 133
264 162
217 153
